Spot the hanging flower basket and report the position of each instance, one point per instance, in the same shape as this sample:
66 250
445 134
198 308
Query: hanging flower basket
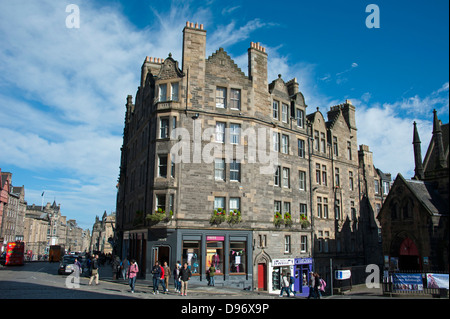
278 219
234 217
217 217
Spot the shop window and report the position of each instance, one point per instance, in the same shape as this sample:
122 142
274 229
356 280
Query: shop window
192 256
214 253
238 257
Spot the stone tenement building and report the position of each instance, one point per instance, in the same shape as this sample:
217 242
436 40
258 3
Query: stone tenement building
102 238
208 139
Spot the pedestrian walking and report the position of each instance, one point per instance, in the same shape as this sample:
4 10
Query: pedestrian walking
212 272
317 286
166 275
132 274
284 285
176 277
156 272
77 265
115 265
124 267
161 279
94 270
291 284
312 281
185 275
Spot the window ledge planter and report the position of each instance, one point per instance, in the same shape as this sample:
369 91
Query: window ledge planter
287 219
304 222
159 216
217 217
234 217
278 219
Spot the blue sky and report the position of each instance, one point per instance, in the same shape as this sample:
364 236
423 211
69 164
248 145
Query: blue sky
63 91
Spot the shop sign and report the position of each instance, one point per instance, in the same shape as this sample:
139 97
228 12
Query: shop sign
301 261
215 238
343 274
282 262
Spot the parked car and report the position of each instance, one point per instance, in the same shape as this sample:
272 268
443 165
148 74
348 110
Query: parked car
66 265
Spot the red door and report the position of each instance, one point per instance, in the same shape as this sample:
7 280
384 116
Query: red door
262 277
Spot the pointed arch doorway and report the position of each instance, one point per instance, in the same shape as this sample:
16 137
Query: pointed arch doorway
409 258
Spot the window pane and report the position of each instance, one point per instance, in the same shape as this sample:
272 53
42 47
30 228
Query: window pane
164 128
234 203
221 94
219 169
162 166
235 168
219 202
175 91
161 202
300 119
285 177
275 107
285 144
276 142
301 148
162 92
220 132
235 99
235 133
284 112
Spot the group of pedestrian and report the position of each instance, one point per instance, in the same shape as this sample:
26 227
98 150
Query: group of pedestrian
316 285
161 275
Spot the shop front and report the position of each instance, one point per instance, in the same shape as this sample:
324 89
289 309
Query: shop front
303 272
230 252
278 268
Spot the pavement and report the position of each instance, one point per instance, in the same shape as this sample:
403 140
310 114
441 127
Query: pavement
146 285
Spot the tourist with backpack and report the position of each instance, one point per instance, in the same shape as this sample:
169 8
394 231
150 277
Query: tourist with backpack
291 283
284 285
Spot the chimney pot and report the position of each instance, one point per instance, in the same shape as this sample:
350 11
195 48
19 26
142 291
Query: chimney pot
201 26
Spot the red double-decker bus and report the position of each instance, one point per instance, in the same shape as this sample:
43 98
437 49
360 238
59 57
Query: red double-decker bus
15 253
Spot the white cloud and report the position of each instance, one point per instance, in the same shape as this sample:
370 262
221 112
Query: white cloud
388 128
62 92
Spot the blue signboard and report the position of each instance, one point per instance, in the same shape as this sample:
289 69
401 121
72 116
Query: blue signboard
407 282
